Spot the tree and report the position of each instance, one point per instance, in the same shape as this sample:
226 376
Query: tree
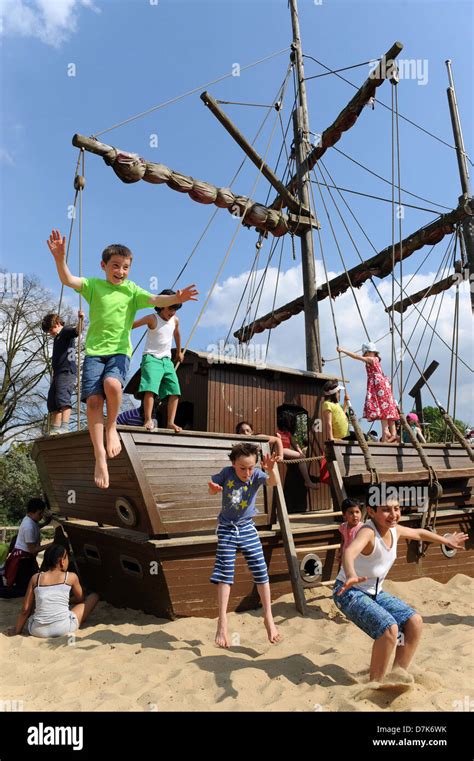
25 362
19 482
437 427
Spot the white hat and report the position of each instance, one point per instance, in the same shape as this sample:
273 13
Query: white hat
369 346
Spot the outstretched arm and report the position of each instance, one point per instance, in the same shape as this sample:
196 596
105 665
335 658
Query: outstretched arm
367 360
57 246
180 297
455 541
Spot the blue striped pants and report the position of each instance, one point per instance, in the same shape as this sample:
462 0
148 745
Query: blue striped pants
244 537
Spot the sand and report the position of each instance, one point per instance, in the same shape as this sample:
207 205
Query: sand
124 660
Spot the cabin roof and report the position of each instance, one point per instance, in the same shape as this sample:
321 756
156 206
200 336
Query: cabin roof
206 356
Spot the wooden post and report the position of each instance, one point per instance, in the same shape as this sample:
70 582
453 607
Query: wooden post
289 545
292 202
302 150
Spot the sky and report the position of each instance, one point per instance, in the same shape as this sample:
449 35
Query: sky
86 65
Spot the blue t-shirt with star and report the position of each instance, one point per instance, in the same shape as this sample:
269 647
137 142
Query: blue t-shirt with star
238 497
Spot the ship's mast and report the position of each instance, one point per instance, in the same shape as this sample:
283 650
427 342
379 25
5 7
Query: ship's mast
466 198
302 148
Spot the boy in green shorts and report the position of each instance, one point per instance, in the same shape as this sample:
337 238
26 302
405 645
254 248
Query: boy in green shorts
113 305
158 376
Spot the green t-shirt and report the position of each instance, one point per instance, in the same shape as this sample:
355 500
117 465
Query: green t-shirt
340 423
111 315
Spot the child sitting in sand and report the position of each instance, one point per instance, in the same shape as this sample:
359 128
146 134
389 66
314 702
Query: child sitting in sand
351 526
113 305
239 484
158 376
49 592
276 446
358 587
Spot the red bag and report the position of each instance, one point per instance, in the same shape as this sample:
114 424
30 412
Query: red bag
324 475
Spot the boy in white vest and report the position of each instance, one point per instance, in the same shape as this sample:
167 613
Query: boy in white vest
158 376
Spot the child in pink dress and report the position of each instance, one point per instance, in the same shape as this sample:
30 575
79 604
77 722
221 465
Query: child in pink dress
379 401
351 526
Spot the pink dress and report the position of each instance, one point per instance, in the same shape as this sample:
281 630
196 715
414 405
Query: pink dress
348 535
379 402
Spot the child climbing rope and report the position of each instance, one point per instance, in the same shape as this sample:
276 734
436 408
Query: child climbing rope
379 401
113 305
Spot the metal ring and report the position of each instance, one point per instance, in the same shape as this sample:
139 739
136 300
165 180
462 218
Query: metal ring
126 511
311 568
448 551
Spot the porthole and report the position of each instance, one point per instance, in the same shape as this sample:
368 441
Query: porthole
126 511
311 568
450 553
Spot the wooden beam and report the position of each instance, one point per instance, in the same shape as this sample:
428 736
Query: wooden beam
432 290
409 476
289 545
348 116
379 266
290 201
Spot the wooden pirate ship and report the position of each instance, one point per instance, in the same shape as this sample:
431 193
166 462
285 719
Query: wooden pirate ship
148 541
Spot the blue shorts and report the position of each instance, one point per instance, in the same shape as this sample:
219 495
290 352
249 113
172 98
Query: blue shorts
96 369
372 613
60 392
244 537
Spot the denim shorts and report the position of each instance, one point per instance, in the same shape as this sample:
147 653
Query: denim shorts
372 613
96 369
60 392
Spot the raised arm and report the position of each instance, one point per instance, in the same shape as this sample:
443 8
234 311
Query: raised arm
57 246
352 355
180 297
455 541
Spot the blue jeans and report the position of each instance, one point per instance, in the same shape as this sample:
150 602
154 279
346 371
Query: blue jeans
96 369
372 613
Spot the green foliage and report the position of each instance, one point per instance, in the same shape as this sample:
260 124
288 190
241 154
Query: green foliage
437 427
19 482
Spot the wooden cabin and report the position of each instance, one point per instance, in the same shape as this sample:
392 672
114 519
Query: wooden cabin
220 391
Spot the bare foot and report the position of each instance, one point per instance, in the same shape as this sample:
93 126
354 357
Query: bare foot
222 636
114 446
273 633
174 427
101 473
311 485
149 424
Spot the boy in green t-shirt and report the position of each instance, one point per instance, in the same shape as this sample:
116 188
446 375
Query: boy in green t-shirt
113 304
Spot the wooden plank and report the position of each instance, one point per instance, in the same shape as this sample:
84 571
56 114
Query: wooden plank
337 482
153 513
409 476
288 543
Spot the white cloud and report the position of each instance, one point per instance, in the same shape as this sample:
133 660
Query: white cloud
51 21
287 341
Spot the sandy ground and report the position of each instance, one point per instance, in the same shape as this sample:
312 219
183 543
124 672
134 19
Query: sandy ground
124 660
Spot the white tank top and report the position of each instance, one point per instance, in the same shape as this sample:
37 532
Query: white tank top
159 339
376 565
51 602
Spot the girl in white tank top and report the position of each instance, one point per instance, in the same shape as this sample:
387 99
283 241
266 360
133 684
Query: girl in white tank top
358 589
